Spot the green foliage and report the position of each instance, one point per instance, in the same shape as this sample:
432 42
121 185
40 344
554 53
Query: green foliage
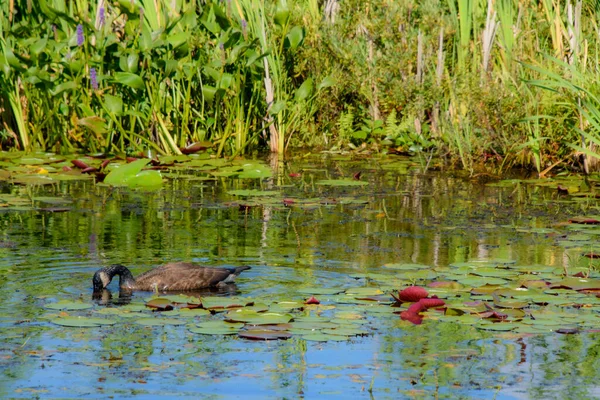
143 75
244 73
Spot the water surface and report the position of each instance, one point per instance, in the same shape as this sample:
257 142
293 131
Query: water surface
49 253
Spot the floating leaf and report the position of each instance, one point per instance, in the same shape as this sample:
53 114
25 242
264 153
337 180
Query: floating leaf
159 321
68 305
341 182
407 266
82 322
120 175
145 179
364 291
577 284
264 334
217 328
212 303
323 337
252 192
320 291
257 318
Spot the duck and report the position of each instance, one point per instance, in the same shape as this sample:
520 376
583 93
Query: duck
176 276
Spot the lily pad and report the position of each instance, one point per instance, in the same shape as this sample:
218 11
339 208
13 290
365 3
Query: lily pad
252 192
324 337
341 182
257 318
68 305
159 321
215 303
217 328
264 334
82 322
320 291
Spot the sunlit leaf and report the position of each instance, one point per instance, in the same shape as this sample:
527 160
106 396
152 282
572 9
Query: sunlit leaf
82 322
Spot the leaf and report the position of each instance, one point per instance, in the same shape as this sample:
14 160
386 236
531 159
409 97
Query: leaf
304 91
341 182
264 334
328 81
217 328
58 89
252 192
282 13
68 305
577 284
38 46
159 321
82 322
145 179
94 123
277 107
323 337
257 318
129 79
120 175
295 37
320 291
113 104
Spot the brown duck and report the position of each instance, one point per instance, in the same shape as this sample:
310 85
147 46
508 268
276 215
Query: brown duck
172 276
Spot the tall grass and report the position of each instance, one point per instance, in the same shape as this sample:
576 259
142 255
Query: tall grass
483 83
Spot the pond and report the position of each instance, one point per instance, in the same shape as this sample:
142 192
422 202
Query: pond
348 233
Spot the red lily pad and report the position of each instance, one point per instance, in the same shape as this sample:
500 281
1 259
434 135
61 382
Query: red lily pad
412 294
416 319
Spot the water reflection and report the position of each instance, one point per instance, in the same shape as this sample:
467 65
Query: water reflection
433 219
105 297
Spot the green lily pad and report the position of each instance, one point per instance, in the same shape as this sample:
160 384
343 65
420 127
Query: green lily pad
215 303
68 305
193 312
341 182
314 325
323 337
407 266
217 328
159 321
252 192
499 326
122 174
320 291
345 331
364 291
82 322
257 318
145 180
480 281
577 284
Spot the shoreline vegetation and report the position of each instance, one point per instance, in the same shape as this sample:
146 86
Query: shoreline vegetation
480 84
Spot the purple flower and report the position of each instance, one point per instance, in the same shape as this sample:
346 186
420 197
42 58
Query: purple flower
102 16
221 47
80 38
244 26
93 78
